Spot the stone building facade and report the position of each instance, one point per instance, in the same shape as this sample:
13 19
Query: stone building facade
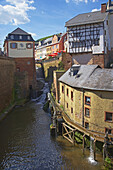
20 46
90 37
86 94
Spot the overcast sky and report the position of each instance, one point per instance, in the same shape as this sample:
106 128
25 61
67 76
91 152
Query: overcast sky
41 17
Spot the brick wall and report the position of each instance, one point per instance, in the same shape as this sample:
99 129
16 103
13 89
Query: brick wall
28 65
67 60
7 69
99 59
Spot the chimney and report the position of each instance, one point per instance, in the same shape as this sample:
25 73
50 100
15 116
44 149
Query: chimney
109 4
103 8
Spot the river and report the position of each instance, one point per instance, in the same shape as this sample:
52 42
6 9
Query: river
26 143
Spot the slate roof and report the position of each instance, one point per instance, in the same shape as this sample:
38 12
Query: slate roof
87 18
90 77
19 31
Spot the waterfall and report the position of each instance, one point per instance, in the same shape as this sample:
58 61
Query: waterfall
91 157
41 99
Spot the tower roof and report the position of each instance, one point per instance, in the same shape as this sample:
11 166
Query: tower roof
19 31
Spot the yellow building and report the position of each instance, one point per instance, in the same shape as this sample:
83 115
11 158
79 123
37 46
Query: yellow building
48 50
86 93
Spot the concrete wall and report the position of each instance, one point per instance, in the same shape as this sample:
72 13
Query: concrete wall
101 102
7 70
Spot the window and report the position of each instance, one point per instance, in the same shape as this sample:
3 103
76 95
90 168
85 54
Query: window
28 63
71 95
96 42
71 110
28 37
105 32
56 46
109 117
67 105
18 69
21 45
13 45
29 45
12 37
87 112
110 131
53 47
62 89
20 37
87 100
86 125
67 92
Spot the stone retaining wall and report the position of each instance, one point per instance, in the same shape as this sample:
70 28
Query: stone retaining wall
7 71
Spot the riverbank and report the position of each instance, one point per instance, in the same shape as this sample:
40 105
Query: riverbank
9 108
26 143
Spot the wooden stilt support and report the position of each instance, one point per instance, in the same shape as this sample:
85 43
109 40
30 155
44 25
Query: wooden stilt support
74 138
83 143
68 133
62 130
94 149
104 155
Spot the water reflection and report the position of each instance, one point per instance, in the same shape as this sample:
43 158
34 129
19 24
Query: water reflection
25 143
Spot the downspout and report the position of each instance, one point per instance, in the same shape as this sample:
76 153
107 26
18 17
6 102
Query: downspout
104 42
64 97
82 107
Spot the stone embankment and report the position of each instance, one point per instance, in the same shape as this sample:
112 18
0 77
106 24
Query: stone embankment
14 88
7 71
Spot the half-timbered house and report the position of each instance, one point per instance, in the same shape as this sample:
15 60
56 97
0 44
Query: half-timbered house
90 37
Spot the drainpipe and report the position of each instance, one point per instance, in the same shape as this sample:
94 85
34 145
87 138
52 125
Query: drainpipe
82 107
64 97
104 42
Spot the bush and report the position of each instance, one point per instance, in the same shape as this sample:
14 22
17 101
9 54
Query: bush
108 164
46 106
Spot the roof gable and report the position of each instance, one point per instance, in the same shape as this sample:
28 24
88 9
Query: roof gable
90 77
19 31
87 18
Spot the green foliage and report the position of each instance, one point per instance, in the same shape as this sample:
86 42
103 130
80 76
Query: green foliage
108 164
44 38
46 106
61 106
52 95
78 137
60 66
51 126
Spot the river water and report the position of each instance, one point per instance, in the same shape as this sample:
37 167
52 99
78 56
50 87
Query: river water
26 143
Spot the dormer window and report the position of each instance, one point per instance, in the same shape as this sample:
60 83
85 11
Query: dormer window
20 37
12 37
28 37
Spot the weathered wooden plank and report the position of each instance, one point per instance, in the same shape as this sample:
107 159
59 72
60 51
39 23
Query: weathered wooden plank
68 139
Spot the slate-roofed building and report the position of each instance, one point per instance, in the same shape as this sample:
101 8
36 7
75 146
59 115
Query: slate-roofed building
86 93
49 46
20 46
90 37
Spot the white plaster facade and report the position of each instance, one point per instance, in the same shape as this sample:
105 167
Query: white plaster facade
21 49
